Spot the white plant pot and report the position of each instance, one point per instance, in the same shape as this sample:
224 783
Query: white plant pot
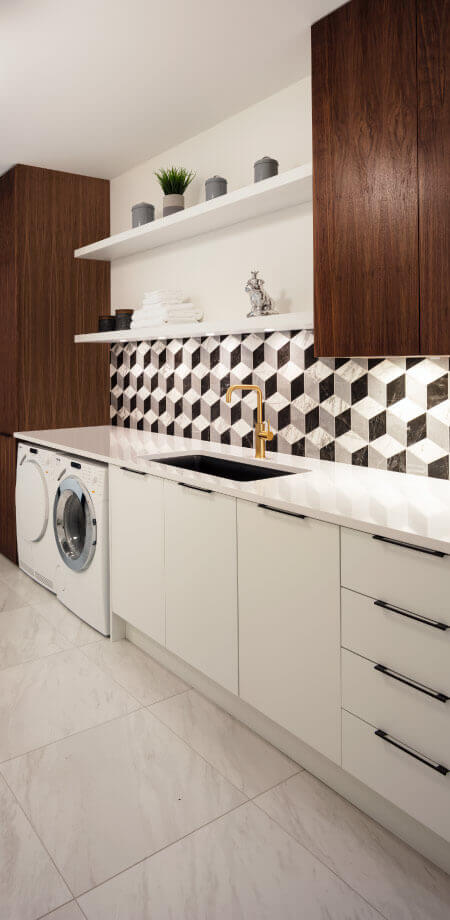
172 204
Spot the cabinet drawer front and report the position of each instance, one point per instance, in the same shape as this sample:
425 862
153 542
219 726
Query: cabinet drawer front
394 774
396 573
407 712
411 646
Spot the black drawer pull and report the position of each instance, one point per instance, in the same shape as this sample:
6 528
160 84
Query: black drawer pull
428 763
195 488
126 469
412 616
280 511
441 697
418 549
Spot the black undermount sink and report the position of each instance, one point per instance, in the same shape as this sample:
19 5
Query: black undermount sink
226 469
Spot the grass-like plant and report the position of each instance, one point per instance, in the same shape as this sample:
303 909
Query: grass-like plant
175 180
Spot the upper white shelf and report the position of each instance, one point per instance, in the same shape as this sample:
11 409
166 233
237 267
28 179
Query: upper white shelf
277 322
283 191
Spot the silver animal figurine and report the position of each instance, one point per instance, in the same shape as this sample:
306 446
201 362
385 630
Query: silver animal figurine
261 303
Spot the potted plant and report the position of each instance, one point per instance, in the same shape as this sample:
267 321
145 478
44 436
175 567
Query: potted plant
174 182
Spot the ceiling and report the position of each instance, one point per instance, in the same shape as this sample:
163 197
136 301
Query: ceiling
98 86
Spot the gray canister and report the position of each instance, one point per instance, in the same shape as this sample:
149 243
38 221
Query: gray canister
265 168
142 213
215 187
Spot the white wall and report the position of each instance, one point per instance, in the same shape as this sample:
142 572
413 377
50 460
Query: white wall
213 269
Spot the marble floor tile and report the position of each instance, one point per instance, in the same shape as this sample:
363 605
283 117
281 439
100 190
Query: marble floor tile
44 700
29 590
24 636
30 885
395 879
108 797
143 677
241 867
70 626
9 599
68 912
245 759
6 566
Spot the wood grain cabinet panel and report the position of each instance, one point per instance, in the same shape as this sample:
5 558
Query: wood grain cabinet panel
433 59
364 95
46 296
8 452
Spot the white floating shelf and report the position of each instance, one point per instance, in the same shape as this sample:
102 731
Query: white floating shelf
278 322
283 191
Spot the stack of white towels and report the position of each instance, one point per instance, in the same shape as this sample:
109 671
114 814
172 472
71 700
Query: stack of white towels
159 307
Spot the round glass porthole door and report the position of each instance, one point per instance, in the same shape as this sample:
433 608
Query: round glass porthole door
74 524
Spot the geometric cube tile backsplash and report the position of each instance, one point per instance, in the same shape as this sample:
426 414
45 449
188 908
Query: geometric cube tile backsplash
390 413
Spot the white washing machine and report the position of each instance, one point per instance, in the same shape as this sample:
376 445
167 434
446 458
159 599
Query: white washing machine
37 472
81 539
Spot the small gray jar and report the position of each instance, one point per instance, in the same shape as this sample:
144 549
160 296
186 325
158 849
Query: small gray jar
215 187
265 168
142 213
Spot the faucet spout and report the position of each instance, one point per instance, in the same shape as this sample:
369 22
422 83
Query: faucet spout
262 434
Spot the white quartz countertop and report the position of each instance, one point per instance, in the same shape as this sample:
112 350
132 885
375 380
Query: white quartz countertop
414 509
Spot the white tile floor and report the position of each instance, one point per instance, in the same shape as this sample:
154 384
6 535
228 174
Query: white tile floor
124 795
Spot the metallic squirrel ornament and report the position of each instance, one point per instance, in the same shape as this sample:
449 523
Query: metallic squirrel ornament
261 303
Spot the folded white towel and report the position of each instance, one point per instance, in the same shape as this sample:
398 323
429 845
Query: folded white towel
150 309
152 297
194 317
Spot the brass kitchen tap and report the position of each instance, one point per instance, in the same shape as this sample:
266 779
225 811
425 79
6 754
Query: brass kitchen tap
262 434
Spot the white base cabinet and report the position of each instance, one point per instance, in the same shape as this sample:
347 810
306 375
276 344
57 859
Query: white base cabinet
289 623
201 581
137 550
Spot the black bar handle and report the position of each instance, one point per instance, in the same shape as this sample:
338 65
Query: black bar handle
428 763
436 624
280 511
441 697
418 549
126 469
195 488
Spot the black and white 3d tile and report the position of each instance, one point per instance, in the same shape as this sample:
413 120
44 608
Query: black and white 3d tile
390 413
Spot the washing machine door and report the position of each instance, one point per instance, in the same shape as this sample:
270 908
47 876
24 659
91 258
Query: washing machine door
74 524
32 504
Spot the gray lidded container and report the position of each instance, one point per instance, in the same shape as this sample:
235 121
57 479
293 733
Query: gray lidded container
142 213
265 168
215 187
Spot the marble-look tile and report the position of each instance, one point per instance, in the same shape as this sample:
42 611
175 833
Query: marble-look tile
9 599
76 631
245 759
44 700
139 674
395 879
30 885
30 591
241 867
68 912
108 797
6 566
24 636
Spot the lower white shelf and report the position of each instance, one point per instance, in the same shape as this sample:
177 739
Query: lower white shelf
281 322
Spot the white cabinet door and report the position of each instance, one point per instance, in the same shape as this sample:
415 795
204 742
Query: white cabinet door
137 550
289 623
201 581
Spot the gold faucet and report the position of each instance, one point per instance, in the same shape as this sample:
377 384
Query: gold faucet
262 434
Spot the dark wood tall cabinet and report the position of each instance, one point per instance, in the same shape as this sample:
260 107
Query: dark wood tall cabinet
46 296
380 158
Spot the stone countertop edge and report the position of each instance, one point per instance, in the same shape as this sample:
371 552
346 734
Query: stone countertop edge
400 506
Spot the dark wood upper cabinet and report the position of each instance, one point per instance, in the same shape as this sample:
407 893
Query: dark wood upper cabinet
433 75
365 123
